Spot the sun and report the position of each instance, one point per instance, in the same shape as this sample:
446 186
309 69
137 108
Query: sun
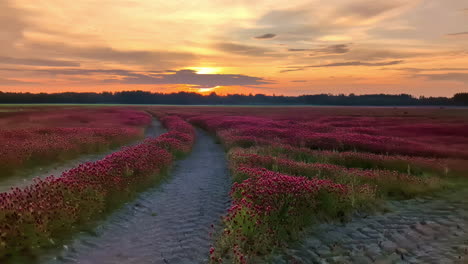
206 90
203 90
205 70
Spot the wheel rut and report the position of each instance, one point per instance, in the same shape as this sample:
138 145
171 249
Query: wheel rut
166 224
431 229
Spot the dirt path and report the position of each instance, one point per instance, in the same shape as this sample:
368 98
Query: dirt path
167 224
25 177
424 230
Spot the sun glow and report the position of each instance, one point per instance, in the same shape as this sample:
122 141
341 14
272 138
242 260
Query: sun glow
204 89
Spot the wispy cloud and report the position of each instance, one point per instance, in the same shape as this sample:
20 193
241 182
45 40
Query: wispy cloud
295 50
12 82
245 50
430 69
375 53
306 23
357 63
327 50
293 70
458 34
12 26
37 62
451 76
363 10
153 58
343 64
266 36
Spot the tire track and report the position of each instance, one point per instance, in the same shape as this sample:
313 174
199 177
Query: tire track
431 229
167 224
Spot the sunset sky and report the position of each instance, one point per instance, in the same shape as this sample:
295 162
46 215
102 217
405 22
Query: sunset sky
291 47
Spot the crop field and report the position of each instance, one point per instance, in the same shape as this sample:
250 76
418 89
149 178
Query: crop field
276 188
32 138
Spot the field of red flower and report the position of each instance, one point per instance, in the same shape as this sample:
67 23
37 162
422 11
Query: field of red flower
41 137
292 166
51 209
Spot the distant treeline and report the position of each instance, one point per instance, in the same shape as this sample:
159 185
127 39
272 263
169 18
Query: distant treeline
184 98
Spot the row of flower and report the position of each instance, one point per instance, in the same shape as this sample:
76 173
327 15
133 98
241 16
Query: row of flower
443 128
51 208
419 166
287 176
250 130
72 133
389 183
270 208
97 117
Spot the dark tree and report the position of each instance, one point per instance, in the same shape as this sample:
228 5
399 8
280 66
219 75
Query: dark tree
185 98
461 98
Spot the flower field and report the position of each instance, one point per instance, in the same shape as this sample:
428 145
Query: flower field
42 137
51 209
292 167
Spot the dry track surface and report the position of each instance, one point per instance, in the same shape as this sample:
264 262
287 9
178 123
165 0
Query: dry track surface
431 229
167 224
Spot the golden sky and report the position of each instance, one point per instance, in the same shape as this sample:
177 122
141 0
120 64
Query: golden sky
291 47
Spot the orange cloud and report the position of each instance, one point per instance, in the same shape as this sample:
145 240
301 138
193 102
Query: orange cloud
336 46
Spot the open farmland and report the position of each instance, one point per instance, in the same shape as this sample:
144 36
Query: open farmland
290 185
32 138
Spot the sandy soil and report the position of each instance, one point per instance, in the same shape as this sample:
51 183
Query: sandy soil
431 229
167 224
